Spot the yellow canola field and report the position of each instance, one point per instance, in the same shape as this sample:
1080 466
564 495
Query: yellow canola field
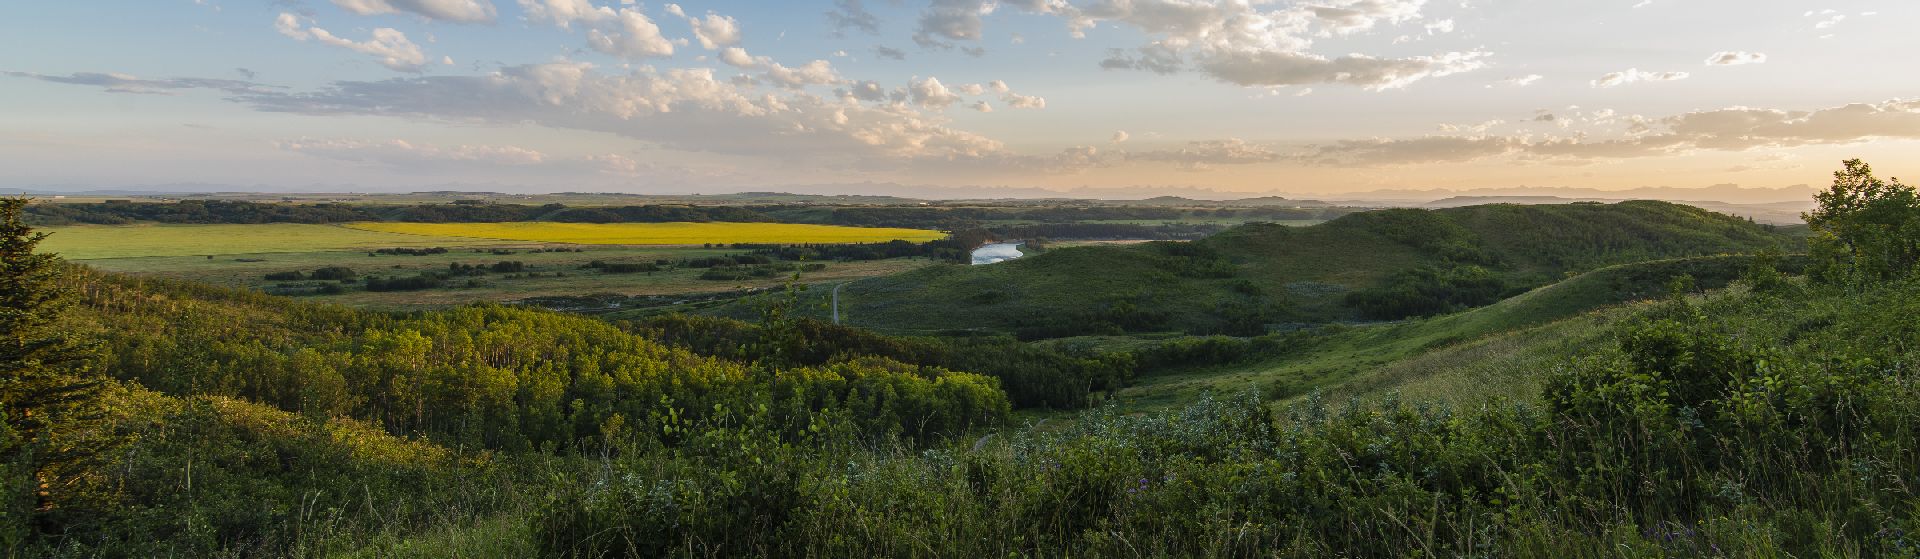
655 233
86 242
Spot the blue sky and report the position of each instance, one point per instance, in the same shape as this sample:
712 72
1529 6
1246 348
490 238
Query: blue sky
1320 97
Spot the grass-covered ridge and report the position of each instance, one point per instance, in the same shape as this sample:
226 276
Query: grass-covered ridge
1382 264
1465 356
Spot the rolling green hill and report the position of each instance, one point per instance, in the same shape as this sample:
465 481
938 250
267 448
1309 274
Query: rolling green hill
1499 349
1250 279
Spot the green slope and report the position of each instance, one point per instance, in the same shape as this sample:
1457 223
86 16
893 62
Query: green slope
1496 350
1250 278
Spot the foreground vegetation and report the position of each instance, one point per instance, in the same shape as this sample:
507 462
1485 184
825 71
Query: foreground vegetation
1745 412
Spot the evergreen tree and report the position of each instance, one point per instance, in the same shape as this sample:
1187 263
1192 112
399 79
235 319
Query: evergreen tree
46 389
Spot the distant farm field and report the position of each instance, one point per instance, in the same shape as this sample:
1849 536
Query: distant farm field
89 242
654 233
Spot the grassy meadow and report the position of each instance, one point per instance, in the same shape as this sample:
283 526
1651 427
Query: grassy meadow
547 274
655 233
91 242
1460 358
242 255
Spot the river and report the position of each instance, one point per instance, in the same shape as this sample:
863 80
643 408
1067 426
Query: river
997 252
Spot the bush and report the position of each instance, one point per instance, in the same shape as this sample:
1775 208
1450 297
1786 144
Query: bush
333 273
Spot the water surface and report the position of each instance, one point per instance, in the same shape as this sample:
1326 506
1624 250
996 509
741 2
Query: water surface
997 252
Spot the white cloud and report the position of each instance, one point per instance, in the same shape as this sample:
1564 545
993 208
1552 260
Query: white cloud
1248 43
684 109
1270 68
114 82
736 56
632 36
1120 136
1200 155
931 94
1735 58
456 11
715 31
1634 75
1522 81
564 12
387 44
852 14
870 91
626 32
1019 101
818 72
1732 129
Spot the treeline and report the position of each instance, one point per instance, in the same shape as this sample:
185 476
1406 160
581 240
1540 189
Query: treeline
956 247
964 217
224 211
193 211
1061 222
1032 376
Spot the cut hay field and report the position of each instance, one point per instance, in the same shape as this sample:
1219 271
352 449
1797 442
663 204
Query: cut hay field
654 233
91 242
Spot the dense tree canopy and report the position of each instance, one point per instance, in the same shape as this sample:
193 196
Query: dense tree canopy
1865 229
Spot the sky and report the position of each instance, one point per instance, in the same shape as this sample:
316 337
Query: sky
925 97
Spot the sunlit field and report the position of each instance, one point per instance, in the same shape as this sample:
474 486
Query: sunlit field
89 242
655 233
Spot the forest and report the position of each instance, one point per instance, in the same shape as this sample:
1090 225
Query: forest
1773 411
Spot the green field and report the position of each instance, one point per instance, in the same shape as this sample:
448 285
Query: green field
547 274
242 255
89 242
656 233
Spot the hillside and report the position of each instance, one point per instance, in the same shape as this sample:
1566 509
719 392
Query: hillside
1367 266
1493 350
